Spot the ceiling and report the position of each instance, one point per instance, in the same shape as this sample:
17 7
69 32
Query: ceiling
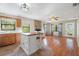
42 11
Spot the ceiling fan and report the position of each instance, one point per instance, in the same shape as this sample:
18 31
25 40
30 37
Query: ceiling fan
24 6
54 18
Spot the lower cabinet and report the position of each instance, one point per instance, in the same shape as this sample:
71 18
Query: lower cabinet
30 43
6 39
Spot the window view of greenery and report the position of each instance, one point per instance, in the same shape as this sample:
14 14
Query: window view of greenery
7 25
54 28
26 28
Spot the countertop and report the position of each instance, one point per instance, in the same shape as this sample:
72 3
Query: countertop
31 34
13 32
9 32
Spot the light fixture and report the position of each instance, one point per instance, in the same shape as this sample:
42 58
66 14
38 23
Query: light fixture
54 18
24 6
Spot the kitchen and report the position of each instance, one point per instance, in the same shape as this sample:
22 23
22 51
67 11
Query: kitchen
19 31
30 30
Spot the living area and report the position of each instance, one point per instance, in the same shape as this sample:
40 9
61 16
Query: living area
39 29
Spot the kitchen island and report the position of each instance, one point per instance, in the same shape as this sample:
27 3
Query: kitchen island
31 42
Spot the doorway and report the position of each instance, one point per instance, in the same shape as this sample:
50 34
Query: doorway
48 29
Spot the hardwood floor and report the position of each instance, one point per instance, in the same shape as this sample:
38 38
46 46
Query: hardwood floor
58 46
52 46
9 50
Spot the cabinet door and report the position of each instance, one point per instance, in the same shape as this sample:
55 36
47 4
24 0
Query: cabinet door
33 44
18 23
32 40
7 39
37 24
25 42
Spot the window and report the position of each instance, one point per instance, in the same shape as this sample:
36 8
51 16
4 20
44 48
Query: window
70 28
26 28
7 25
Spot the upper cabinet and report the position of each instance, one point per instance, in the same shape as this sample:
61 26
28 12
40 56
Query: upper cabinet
37 25
18 22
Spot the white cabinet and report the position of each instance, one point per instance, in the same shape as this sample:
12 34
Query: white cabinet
25 43
30 43
34 44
